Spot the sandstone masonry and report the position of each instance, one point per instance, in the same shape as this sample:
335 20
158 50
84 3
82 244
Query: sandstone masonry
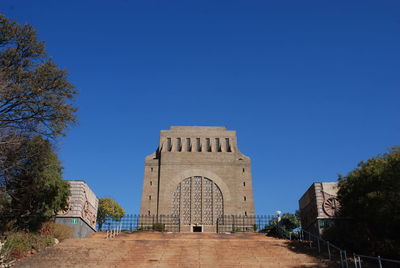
199 174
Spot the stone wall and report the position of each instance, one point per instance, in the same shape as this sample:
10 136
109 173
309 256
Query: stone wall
81 212
316 205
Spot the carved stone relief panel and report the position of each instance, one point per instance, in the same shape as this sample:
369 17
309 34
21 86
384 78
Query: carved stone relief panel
197 200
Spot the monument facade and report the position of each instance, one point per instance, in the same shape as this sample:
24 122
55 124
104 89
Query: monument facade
198 174
319 206
81 212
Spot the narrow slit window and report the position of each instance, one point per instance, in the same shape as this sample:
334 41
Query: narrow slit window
217 144
244 198
148 212
208 144
151 169
198 145
149 197
179 144
243 170
245 213
228 146
169 145
151 182
188 145
244 183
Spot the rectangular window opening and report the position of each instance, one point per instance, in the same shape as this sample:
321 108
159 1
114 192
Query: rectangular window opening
149 197
198 145
151 183
244 183
208 145
169 145
179 144
244 198
217 144
188 145
228 146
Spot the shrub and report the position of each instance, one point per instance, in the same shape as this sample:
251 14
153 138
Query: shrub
18 244
159 227
59 231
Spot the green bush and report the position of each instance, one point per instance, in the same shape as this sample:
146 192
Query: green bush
160 227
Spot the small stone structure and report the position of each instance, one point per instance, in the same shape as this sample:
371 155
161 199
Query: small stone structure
199 174
81 212
319 206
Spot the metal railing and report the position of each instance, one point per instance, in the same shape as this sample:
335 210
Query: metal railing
115 230
366 261
332 252
132 222
243 223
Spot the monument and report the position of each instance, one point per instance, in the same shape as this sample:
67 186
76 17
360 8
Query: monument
319 206
81 212
198 174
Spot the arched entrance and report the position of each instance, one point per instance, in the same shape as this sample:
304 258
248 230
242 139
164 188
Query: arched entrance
198 200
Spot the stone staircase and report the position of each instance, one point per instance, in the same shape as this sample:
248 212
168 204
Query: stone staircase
173 250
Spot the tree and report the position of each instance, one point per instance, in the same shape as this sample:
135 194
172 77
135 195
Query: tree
35 95
35 99
370 207
108 209
33 190
287 224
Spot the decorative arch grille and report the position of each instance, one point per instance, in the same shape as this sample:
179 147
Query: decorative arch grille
197 200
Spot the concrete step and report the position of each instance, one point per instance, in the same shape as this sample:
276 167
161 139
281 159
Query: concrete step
173 250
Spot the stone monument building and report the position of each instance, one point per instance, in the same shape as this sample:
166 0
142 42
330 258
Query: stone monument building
81 212
319 206
199 174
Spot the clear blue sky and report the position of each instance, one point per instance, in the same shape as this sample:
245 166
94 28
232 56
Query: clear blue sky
312 87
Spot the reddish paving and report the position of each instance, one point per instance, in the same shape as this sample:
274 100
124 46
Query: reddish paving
172 250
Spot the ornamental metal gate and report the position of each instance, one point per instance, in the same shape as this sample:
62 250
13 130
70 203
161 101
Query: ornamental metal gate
197 200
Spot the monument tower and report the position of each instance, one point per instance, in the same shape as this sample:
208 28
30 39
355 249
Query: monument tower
199 174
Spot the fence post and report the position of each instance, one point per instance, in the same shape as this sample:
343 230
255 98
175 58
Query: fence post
341 259
217 225
319 248
379 261
329 251
345 259
233 224
355 260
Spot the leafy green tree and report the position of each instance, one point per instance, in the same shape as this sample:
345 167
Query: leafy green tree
35 95
108 209
370 207
287 224
33 190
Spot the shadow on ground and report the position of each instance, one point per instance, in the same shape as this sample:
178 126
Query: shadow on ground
304 248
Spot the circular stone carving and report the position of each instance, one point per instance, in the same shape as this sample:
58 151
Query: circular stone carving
331 206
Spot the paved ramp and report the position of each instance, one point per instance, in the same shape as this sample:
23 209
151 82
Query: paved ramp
172 250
